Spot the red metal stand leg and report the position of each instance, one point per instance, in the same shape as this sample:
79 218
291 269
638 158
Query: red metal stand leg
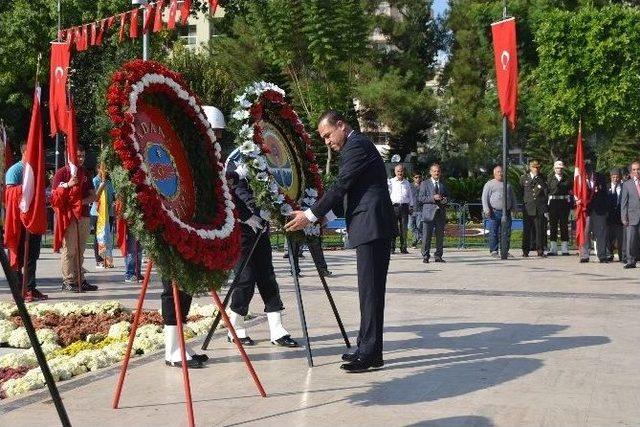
247 362
132 335
183 351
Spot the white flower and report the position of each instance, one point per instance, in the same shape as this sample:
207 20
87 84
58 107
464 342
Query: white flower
273 187
246 132
19 338
241 114
6 327
242 170
248 147
280 199
308 201
265 214
21 358
46 336
120 330
311 192
286 209
259 163
262 176
7 310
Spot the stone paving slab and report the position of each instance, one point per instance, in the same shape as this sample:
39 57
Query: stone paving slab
473 342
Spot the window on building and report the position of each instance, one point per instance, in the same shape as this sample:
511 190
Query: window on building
188 34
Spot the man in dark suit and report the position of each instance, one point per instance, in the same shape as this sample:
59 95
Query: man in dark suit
433 195
370 224
614 222
598 212
534 231
630 214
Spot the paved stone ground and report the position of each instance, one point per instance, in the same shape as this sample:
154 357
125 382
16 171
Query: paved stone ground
473 342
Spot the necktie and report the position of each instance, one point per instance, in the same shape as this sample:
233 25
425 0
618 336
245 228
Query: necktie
438 188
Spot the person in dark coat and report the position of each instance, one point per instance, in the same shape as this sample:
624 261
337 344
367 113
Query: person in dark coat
535 193
369 213
560 188
614 222
598 211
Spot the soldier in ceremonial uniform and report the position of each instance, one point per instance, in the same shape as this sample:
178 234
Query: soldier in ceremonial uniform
535 210
560 188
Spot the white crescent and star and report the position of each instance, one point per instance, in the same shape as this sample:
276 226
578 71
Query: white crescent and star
505 57
59 72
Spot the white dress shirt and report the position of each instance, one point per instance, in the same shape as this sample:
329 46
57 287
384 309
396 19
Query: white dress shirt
400 191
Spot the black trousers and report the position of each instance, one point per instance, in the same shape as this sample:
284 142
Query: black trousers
168 307
559 215
616 241
428 228
401 212
534 233
600 233
372 264
35 241
259 271
315 248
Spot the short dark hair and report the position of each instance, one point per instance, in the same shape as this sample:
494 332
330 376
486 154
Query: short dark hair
332 117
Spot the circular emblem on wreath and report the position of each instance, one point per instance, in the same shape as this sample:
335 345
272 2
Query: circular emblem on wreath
277 154
165 164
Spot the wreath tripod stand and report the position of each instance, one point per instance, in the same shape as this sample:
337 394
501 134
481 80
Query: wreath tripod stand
296 284
185 369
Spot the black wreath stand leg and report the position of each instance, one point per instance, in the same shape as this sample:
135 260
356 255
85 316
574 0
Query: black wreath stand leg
296 283
14 285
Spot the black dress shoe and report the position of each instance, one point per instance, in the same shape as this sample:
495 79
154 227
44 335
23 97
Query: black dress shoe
542 255
350 357
604 261
404 252
583 260
86 286
285 341
360 365
425 260
200 357
243 341
629 266
525 255
191 364
440 260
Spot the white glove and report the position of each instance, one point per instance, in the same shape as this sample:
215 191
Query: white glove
255 222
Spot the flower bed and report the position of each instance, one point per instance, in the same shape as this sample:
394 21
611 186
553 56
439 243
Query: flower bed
80 338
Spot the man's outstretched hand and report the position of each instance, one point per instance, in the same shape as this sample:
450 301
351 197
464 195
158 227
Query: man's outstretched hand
298 221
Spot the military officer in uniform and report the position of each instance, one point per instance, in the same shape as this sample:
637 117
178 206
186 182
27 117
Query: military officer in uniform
535 210
560 188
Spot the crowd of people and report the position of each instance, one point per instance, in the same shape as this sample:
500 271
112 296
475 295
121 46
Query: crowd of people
612 212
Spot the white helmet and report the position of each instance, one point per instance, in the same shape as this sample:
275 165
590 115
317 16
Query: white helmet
215 117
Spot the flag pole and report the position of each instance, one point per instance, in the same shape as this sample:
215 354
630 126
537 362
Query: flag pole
57 159
504 237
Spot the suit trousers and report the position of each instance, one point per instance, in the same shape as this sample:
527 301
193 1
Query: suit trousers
258 272
616 241
559 215
401 218
600 233
428 228
69 253
373 264
168 307
35 241
633 239
534 233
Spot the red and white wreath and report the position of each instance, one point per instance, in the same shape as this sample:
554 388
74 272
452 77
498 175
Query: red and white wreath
213 245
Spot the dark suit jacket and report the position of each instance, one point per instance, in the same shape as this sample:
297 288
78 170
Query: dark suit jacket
600 202
614 205
362 178
535 194
429 205
242 196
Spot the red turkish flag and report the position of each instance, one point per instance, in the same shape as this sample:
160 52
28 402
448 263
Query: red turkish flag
147 25
110 21
133 28
60 57
123 21
173 9
94 34
157 25
580 190
506 60
213 5
101 30
32 203
184 12
77 38
85 37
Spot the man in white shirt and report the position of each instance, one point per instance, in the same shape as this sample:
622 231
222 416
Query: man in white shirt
403 200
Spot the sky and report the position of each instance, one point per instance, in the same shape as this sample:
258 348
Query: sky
440 6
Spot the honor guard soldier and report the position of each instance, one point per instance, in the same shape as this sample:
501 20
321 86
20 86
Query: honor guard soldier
560 188
535 210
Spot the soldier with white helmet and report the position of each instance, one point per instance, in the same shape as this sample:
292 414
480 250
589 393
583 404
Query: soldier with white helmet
560 189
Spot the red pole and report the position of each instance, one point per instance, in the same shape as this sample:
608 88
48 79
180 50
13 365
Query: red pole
247 362
25 260
183 351
78 266
132 335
